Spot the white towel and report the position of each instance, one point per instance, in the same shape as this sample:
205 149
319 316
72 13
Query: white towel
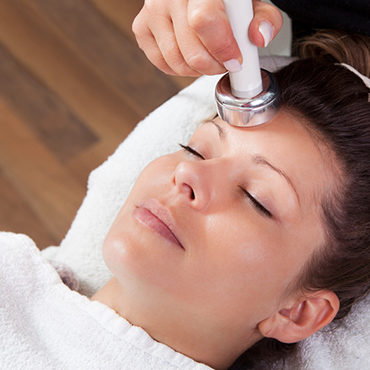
45 325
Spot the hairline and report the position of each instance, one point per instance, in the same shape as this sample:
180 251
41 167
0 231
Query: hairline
300 284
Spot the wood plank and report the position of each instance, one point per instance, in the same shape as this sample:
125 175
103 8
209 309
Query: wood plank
89 159
111 53
42 182
16 216
46 52
122 14
61 131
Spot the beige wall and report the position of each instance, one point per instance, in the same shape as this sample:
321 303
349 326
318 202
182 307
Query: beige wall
281 44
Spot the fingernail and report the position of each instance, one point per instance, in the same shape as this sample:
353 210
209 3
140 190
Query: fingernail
266 31
233 65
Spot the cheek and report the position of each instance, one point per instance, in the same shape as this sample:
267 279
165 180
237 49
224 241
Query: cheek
244 265
242 236
158 171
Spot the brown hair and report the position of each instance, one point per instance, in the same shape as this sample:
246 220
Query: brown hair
337 46
334 104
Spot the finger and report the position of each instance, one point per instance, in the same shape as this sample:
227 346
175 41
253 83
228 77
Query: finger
193 51
164 35
266 23
208 20
148 45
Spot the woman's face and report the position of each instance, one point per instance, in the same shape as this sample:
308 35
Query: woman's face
245 214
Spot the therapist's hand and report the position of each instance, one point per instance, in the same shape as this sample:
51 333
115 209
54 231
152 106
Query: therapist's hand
194 37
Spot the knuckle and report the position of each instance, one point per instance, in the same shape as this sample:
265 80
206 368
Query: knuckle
136 26
200 20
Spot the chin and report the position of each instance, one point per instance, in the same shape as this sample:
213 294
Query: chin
120 253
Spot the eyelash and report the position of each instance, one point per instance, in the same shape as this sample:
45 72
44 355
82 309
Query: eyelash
191 150
254 201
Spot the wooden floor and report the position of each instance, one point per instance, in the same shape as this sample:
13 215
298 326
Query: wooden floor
72 83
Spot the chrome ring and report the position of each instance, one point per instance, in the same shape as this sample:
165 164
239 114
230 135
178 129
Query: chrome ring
247 112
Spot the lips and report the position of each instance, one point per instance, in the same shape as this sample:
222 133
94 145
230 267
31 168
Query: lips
157 218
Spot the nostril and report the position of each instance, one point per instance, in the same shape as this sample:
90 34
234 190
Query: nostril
188 189
192 195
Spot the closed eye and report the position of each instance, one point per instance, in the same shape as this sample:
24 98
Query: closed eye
256 203
191 150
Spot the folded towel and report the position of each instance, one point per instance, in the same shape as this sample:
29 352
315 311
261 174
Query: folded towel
45 325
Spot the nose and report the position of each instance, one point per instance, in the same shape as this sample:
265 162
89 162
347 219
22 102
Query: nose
194 182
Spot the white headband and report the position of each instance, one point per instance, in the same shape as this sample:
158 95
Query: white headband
365 79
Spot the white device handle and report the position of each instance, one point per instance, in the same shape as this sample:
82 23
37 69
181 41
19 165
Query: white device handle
247 83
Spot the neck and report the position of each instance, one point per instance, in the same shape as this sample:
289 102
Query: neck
216 347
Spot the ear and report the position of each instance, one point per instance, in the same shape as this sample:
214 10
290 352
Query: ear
304 317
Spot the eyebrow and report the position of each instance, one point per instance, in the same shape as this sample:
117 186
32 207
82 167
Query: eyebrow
259 159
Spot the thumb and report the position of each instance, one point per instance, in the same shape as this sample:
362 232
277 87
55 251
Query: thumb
266 23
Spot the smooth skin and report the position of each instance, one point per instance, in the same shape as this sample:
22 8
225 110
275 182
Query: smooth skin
232 284
194 37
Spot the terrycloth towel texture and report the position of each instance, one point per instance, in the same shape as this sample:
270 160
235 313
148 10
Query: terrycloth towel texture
109 185
45 325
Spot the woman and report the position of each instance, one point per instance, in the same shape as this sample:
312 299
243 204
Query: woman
264 232
247 236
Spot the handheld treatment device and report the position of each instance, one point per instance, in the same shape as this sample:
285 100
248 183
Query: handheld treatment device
249 97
